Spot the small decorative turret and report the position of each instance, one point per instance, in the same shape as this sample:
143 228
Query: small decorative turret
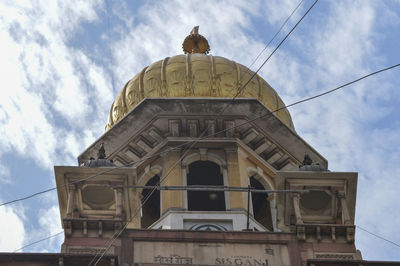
101 160
308 165
195 43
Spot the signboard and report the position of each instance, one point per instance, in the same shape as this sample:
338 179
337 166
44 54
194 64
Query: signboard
210 253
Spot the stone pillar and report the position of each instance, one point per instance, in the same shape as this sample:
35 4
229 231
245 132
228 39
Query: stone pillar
184 183
118 207
296 207
226 183
171 176
71 200
234 179
345 210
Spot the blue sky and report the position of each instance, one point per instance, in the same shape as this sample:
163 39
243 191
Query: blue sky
63 62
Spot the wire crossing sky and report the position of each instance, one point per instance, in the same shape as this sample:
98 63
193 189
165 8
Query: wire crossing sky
60 60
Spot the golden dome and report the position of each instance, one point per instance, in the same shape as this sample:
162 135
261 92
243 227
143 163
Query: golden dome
195 75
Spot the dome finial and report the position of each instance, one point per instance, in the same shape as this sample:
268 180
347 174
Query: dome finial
195 43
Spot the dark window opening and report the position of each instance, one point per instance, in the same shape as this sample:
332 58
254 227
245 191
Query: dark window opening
261 207
151 208
205 173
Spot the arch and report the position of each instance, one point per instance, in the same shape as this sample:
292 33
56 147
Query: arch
151 209
149 173
260 177
261 205
257 175
203 155
205 173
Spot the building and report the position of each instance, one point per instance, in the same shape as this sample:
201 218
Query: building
186 175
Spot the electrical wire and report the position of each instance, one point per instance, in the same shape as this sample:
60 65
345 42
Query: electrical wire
200 138
205 137
144 158
240 89
301 101
378 236
144 202
246 122
40 240
276 34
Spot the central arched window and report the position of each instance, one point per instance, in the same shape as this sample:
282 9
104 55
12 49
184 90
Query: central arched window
205 173
150 208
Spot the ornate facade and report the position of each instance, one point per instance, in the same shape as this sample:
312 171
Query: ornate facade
184 175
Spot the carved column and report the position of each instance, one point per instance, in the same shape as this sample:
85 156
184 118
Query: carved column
345 211
119 207
300 228
296 207
71 200
184 183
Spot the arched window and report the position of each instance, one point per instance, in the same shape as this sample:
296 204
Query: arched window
261 207
205 173
151 208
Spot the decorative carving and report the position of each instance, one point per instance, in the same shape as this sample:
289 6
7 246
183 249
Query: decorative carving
68 228
174 128
350 231
333 233
301 232
296 207
208 227
309 165
318 233
193 128
339 256
89 250
101 154
229 128
345 211
307 160
100 232
117 227
84 228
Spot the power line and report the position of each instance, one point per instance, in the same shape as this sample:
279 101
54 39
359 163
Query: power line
246 122
240 89
159 183
144 158
144 202
207 128
43 239
378 236
276 34
359 227
194 142
205 137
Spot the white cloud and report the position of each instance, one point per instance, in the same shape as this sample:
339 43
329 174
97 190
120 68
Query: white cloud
49 221
278 10
48 103
45 90
341 126
160 30
4 174
55 99
11 230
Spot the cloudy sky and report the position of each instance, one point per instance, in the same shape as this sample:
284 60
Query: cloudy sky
63 62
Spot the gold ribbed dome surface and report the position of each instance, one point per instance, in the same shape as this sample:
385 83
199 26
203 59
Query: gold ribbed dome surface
195 75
